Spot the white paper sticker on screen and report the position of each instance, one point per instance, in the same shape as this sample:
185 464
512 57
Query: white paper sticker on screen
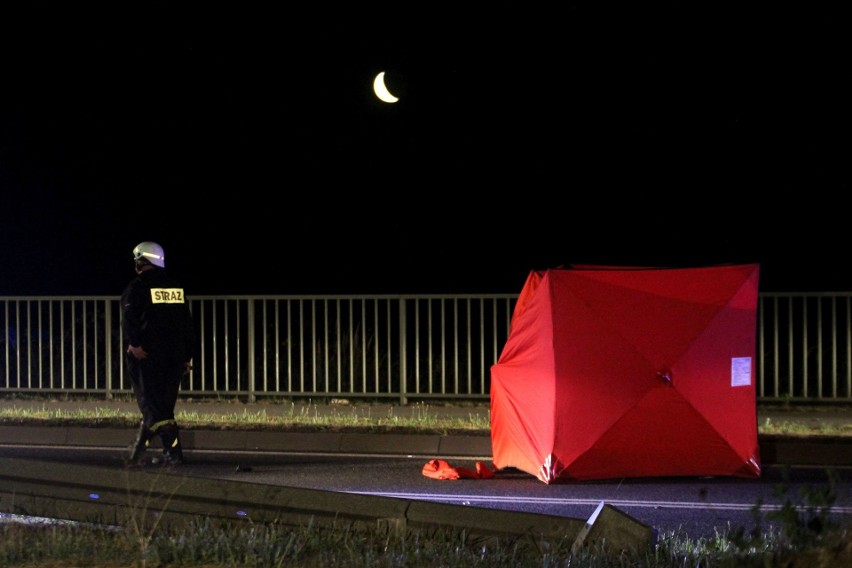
740 371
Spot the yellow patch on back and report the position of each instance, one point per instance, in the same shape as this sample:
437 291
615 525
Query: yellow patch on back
166 295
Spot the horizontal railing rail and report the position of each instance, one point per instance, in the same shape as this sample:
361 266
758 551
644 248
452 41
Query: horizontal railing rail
398 347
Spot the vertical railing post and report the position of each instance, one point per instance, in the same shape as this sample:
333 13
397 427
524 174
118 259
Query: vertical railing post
108 344
252 397
403 354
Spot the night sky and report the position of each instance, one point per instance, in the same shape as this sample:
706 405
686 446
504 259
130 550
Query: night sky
245 138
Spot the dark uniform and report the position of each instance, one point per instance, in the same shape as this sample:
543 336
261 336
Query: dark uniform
156 317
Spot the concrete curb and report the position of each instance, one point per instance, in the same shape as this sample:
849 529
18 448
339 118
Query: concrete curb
814 451
431 445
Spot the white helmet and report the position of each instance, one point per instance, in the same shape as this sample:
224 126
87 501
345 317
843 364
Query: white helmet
150 251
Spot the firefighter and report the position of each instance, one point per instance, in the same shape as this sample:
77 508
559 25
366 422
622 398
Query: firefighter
160 336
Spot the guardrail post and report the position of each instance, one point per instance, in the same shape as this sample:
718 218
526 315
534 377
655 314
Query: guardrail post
403 354
108 345
251 338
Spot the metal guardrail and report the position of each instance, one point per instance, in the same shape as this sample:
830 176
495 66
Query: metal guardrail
269 346
380 346
805 347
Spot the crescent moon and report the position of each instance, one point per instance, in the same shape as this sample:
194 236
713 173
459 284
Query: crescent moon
381 90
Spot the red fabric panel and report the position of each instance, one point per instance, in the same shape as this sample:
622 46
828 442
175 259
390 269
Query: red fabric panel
522 384
527 292
708 375
663 435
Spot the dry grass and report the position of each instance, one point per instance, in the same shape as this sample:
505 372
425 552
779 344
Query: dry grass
308 417
298 417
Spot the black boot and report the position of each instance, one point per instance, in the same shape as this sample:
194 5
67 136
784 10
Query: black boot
172 451
138 447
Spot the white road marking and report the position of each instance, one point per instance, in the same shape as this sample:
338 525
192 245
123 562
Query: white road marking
552 501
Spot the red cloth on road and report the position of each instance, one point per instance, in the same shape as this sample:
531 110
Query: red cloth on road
440 469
